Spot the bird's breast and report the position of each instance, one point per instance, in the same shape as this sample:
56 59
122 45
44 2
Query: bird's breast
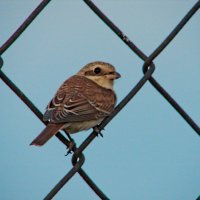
81 126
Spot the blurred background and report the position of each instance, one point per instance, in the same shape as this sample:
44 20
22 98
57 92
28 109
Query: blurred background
148 151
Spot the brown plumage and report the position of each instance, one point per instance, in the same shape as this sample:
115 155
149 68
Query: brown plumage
81 102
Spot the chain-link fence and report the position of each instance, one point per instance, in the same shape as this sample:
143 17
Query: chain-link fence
78 158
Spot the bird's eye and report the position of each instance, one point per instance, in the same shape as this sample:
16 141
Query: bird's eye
97 70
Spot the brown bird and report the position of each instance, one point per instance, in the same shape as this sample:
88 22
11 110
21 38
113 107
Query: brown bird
81 102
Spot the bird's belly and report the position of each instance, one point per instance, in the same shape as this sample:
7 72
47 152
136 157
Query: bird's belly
80 126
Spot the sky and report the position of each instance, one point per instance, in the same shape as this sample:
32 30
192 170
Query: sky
148 150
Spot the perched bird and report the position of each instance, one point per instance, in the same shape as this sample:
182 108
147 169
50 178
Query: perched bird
81 102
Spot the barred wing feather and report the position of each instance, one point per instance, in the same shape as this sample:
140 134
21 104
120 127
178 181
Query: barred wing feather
80 99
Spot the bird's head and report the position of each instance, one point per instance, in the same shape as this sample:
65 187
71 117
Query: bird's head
101 73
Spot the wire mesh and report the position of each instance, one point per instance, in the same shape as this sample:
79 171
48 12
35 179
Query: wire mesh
78 158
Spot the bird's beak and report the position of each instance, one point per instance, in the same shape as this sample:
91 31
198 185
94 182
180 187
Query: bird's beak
117 75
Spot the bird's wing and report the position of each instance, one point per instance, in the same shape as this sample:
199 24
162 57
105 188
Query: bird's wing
80 99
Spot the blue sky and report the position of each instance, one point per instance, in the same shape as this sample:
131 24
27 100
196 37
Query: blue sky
148 151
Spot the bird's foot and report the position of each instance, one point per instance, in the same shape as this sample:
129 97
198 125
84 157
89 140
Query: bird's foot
98 131
71 147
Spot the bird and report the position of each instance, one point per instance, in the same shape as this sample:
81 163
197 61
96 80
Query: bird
81 102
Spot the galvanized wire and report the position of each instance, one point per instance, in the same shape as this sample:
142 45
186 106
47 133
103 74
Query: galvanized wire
148 68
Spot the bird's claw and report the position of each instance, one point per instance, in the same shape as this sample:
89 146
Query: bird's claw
98 131
71 147
68 152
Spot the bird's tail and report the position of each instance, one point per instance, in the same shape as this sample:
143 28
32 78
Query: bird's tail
46 134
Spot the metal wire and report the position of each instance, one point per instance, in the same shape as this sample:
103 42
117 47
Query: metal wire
78 158
32 107
26 100
149 60
24 25
66 178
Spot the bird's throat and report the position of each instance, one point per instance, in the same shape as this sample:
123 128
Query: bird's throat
102 81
